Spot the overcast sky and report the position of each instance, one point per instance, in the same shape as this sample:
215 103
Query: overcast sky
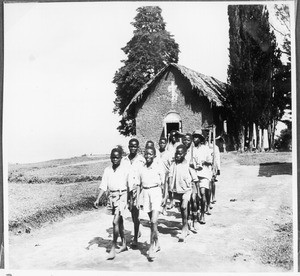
60 59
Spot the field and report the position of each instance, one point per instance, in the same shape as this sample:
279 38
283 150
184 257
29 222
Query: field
252 219
45 192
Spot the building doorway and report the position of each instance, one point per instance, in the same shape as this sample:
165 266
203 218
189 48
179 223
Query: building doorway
172 122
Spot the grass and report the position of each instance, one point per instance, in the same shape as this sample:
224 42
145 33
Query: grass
278 251
60 171
254 159
47 191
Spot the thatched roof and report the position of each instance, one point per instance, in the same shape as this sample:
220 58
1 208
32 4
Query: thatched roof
209 87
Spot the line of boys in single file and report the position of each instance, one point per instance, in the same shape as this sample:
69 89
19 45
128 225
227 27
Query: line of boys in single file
177 171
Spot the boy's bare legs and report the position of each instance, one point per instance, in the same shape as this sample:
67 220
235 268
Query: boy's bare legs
154 246
208 197
213 191
202 205
136 224
194 207
122 235
184 215
112 253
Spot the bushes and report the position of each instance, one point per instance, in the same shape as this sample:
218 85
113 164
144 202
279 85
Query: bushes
284 141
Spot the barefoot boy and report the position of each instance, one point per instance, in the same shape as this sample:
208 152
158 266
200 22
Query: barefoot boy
152 178
194 202
202 165
180 182
115 181
133 161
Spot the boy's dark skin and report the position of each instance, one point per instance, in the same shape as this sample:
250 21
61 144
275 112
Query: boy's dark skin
153 216
133 208
118 223
162 144
202 192
149 144
187 141
179 158
174 136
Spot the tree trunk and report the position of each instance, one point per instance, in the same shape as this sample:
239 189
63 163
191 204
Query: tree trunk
242 139
262 140
251 137
258 137
269 135
272 134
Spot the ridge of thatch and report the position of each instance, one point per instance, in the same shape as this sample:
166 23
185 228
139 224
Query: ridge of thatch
206 86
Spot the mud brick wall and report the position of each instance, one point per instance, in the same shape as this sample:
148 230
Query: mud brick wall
151 111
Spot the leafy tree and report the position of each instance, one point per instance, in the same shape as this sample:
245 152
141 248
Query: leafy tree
150 49
253 58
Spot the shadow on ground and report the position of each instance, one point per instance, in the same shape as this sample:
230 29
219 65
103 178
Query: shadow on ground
274 168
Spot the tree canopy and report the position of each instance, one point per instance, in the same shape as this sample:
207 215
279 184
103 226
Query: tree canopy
150 49
254 95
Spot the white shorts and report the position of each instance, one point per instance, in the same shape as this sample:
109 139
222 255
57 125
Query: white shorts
117 202
152 199
203 182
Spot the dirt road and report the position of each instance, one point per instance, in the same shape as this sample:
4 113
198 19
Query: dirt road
250 201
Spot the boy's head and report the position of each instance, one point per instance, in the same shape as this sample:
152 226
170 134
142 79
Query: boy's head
149 144
133 146
180 153
173 136
162 143
198 137
187 140
116 156
149 154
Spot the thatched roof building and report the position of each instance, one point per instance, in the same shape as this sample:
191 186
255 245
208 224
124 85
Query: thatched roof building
177 98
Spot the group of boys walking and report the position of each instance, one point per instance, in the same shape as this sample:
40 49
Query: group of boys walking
178 171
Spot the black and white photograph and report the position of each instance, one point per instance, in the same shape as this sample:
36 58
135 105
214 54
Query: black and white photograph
199 96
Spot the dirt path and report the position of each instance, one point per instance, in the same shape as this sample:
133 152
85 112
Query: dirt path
247 208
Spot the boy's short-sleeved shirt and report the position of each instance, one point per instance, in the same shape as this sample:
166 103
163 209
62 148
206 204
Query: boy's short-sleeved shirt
152 176
171 148
114 180
133 166
181 177
165 159
202 154
217 156
188 155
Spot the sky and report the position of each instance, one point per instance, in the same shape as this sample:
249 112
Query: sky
60 60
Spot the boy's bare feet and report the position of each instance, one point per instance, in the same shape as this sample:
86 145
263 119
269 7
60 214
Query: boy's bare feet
202 220
123 248
134 244
112 254
183 235
151 254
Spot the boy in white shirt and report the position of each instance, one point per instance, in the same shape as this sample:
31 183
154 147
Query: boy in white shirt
114 180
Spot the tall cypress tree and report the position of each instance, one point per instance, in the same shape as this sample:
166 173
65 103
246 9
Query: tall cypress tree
151 48
253 57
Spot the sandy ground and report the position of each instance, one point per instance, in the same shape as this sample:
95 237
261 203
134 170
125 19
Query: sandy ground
248 205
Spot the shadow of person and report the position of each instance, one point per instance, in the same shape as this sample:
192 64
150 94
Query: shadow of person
171 227
110 231
175 214
101 242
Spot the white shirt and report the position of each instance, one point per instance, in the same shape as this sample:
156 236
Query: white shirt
152 176
201 154
133 166
114 180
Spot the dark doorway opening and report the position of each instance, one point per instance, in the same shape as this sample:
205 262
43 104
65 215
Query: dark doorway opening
172 126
